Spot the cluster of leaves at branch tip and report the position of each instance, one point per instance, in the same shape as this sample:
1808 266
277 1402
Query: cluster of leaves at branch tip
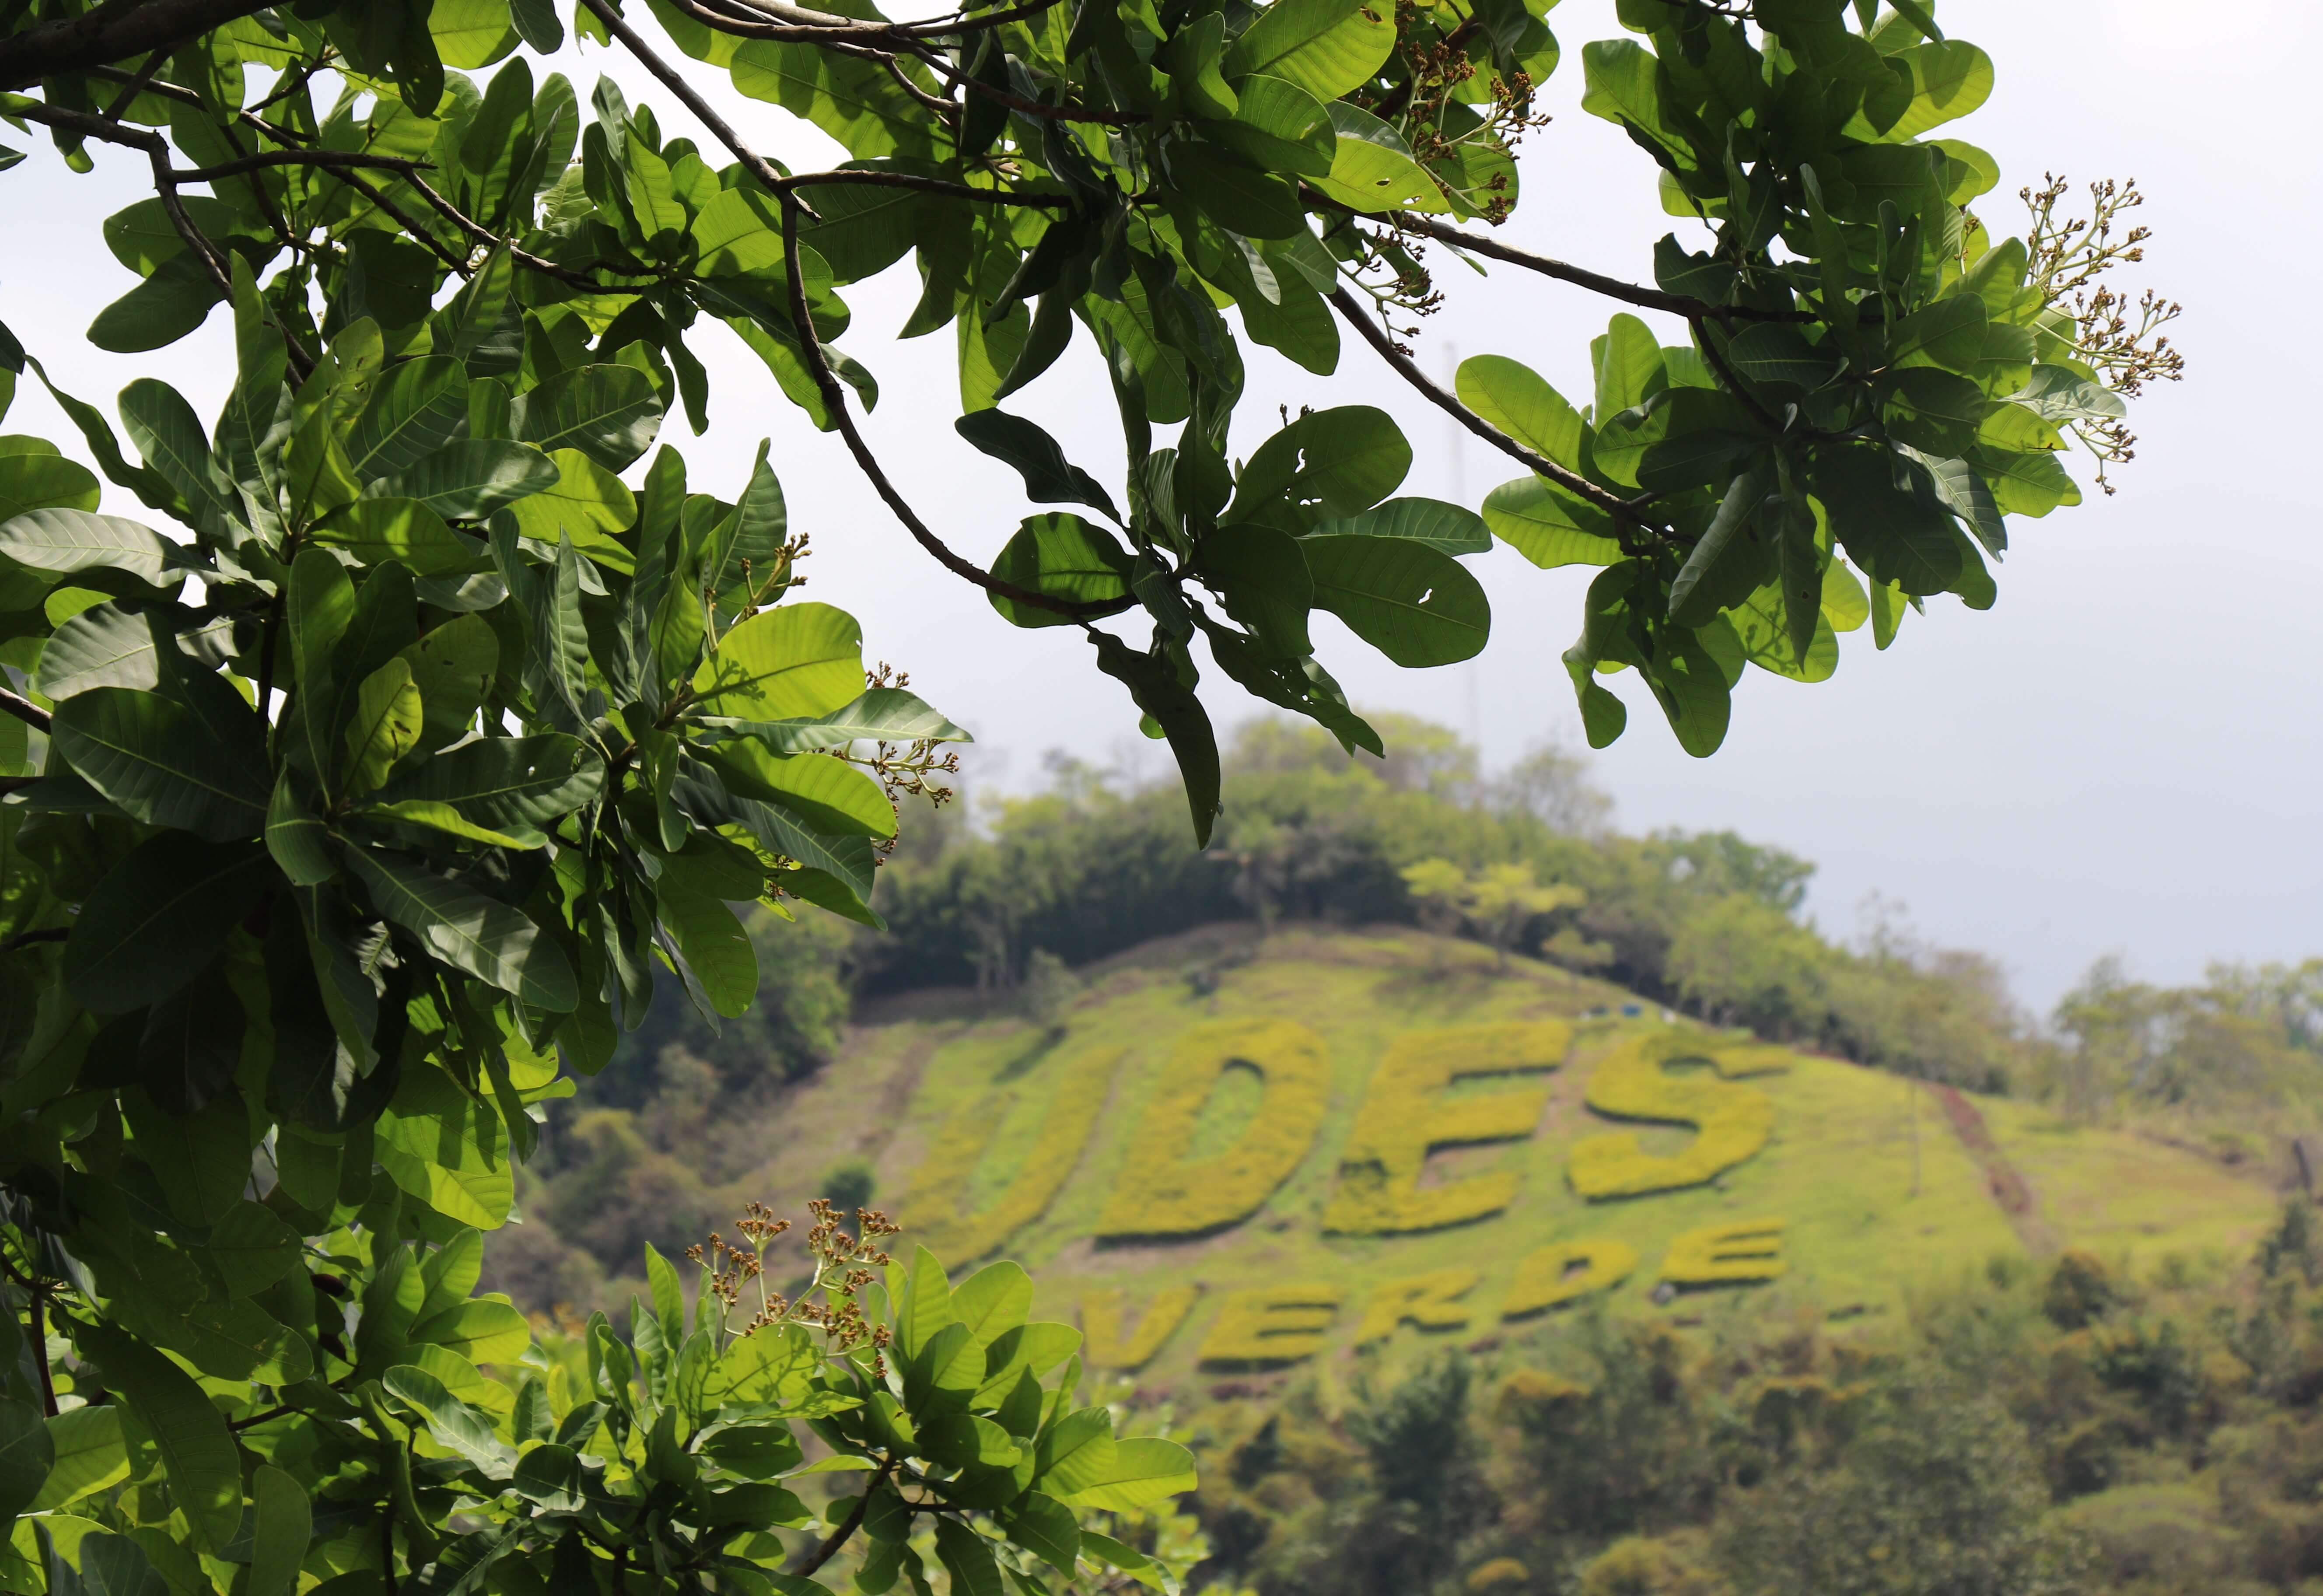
369 778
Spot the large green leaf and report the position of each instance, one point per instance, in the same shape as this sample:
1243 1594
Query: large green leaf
89 1455
1372 169
1062 557
1325 47
468 479
158 917
1418 606
465 929
853 100
1550 525
1446 527
827 794
1280 126
610 413
1895 535
42 479
1263 577
883 714
414 408
384 727
1142 1470
1519 402
282 1525
447 1149
197 1453
791 661
1049 477
408 531
516 785
164 763
65 541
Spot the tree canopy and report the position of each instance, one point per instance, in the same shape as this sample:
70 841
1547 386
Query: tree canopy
362 777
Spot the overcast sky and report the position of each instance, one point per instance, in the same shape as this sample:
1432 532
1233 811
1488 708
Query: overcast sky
2122 756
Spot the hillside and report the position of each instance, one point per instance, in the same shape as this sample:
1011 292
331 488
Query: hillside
1410 1157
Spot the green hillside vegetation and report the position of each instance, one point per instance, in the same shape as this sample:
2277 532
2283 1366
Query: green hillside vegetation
1912 1295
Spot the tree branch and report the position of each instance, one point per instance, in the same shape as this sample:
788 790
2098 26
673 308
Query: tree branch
829 1549
113 32
887 180
1068 112
49 933
25 710
1727 374
1626 512
1596 283
321 158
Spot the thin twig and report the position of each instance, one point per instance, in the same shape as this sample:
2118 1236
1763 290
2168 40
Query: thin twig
129 90
40 1353
1596 283
1624 511
1733 381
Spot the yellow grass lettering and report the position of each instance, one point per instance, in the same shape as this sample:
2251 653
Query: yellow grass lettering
1718 1255
1165 1191
1562 1272
1273 1323
1431 1301
1734 1120
937 1209
1107 1345
1406 1115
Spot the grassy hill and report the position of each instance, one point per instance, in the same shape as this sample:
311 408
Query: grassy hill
1880 1185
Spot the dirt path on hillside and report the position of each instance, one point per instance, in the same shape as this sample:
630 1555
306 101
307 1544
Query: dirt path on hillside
2002 1178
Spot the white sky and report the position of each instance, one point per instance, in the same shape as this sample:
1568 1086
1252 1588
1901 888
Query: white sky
2122 756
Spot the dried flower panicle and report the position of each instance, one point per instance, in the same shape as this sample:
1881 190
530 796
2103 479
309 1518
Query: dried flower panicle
2121 340
844 1264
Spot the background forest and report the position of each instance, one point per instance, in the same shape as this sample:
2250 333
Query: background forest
2061 1425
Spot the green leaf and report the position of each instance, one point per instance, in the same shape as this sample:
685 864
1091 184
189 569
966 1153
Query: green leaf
406 530
104 646
1415 605
520 786
1049 477
967 1557
1325 47
1735 511
64 541
991 1302
468 479
385 726
454 667
283 1523
470 33
1948 80
1550 525
1372 169
1279 125
197 1452
451 1422
716 947
741 557
791 662
1775 353
177 299
1046 1528
1062 557
1236 195
1262 576
883 714
1343 461
587 504
89 1455
414 408
610 413
481 935
158 917
1950 333
252 1249
447 1149
854 101
2025 484
1143 1470
1892 535
827 794
1517 401
1155 686
33 481
1446 527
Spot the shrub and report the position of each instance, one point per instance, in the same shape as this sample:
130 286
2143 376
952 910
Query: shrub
849 1186
1939 1495
1636 1566
1499 1573
1164 1191
1725 1255
2082 1290
1431 1301
938 1206
1734 1120
1405 1116
1105 1344
1564 1272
